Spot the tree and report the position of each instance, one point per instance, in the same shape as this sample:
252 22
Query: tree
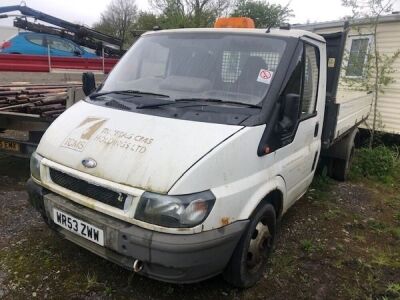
189 13
264 14
378 67
117 19
146 21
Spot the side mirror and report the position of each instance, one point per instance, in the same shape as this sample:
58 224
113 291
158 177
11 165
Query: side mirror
77 53
291 112
88 83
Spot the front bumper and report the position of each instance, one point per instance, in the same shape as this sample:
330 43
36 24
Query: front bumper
177 258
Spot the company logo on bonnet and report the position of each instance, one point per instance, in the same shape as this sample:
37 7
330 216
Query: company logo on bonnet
89 163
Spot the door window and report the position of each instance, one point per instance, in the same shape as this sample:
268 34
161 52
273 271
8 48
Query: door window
61 45
300 94
35 39
311 76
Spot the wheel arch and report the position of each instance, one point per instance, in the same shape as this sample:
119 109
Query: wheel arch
275 197
342 148
274 192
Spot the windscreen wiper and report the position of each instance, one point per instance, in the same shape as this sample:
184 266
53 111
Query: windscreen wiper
212 100
193 100
128 92
154 104
116 104
163 103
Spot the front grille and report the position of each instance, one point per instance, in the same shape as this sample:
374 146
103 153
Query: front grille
87 189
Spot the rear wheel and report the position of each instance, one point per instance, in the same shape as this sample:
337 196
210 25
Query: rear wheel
340 168
250 257
339 156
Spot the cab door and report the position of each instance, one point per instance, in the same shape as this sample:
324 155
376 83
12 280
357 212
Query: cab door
300 121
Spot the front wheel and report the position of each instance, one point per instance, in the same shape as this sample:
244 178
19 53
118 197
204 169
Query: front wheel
250 257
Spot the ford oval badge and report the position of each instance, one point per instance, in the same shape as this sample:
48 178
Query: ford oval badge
89 163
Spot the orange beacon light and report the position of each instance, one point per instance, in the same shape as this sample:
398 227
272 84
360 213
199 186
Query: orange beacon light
234 22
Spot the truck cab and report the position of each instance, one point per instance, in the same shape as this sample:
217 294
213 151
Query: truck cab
181 163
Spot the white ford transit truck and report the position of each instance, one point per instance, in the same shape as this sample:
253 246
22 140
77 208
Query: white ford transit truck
181 163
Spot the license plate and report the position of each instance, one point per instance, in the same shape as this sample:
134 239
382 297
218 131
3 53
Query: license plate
79 227
9 146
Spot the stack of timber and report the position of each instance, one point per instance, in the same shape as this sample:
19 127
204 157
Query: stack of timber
48 101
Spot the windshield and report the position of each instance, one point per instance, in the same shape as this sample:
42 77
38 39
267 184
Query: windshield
200 65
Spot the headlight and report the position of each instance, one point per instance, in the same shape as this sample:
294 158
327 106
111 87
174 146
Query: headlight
175 211
35 165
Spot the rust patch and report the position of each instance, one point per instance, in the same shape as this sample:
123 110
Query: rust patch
224 221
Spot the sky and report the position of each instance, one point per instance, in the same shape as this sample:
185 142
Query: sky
88 11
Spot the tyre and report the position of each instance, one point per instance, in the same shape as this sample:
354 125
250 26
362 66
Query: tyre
340 156
340 167
250 257
323 167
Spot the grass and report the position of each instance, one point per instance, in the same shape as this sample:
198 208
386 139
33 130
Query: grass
60 266
332 214
395 231
386 258
91 280
380 164
376 225
321 184
393 289
307 245
397 217
285 262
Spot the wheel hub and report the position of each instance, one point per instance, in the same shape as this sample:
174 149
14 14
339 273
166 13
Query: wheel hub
260 244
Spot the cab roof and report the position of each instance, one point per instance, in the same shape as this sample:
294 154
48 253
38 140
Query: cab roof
295 33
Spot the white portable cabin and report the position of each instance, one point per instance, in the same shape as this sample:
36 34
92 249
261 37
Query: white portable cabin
360 42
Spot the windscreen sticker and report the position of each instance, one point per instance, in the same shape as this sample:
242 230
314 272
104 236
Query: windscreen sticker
265 76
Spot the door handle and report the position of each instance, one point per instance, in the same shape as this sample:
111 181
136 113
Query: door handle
316 129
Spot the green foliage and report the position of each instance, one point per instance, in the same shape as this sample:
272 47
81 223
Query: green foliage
376 225
321 183
384 69
397 217
263 13
395 232
394 289
91 281
122 20
189 13
146 21
332 214
307 245
380 163
172 13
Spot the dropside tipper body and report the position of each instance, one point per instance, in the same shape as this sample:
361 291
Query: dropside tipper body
182 173
344 110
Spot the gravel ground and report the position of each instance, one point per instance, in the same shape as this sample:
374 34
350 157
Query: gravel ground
341 241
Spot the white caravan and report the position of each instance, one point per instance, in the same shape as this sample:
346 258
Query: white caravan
181 163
